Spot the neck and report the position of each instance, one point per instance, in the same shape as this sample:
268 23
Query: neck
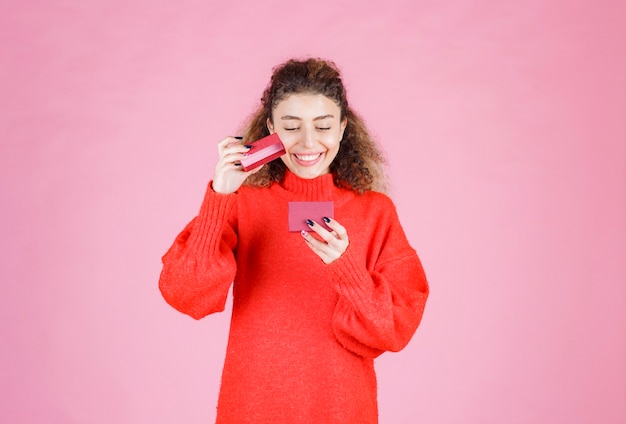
319 188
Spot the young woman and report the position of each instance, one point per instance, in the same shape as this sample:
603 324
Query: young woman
311 309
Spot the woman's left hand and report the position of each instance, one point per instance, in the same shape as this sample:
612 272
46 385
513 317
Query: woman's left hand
333 244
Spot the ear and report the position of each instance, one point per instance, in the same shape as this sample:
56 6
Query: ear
270 127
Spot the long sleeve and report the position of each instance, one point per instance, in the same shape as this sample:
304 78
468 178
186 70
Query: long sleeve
200 266
380 303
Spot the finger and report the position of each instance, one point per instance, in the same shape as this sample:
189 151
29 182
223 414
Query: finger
234 164
337 228
235 148
338 239
320 230
228 142
330 244
225 142
225 168
231 157
321 249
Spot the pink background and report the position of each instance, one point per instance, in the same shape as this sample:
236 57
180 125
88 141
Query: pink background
504 124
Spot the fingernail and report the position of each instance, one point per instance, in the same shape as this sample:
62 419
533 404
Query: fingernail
326 219
239 137
237 164
304 233
248 146
309 223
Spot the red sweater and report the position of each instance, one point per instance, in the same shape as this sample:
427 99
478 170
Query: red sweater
303 334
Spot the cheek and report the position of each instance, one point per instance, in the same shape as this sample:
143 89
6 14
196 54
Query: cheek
287 139
288 142
332 141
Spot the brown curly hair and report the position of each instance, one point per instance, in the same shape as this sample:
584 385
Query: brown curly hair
359 162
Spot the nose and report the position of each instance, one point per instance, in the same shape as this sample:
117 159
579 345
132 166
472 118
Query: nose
307 138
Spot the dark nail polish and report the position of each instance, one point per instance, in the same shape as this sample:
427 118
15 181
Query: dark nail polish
309 222
248 146
237 164
239 137
326 219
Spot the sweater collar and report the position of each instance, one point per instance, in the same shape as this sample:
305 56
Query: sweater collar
317 188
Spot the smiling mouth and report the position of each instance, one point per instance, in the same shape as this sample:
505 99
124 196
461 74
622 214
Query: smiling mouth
307 158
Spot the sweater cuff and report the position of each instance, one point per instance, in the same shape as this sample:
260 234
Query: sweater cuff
213 215
352 280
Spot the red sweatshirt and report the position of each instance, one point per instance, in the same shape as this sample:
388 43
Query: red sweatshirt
303 334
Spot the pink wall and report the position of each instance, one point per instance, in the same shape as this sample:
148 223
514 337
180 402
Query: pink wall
504 125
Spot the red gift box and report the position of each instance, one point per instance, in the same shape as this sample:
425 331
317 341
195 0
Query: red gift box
263 151
299 212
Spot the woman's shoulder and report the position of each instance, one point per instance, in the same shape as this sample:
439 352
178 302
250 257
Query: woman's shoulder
377 198
375 202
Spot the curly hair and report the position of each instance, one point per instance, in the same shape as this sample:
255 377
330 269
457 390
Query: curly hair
359 162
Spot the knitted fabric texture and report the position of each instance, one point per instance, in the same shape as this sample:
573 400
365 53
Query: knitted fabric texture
303 334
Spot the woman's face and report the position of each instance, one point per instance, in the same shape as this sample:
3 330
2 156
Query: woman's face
309 126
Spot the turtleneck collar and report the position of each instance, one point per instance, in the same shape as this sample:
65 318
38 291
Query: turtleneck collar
320 188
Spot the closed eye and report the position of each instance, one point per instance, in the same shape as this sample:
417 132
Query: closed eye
323 129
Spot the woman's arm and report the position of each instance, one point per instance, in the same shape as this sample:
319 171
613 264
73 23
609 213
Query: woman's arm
380 304
200 266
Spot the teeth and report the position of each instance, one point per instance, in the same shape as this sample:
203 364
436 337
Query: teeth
307 157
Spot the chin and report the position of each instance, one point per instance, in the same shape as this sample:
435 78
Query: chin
306 173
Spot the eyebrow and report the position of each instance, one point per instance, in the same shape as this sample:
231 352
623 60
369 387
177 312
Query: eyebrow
297 118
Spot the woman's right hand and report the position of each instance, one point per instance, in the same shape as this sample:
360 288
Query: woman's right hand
228 173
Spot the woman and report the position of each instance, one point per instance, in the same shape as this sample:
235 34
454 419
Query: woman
311 309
